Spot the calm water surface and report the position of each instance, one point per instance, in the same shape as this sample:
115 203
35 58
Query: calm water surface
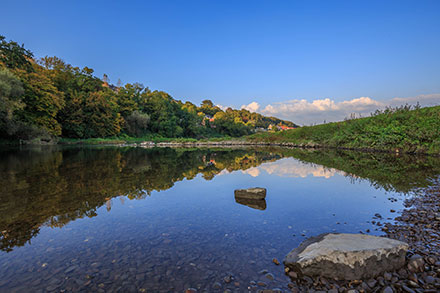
133 219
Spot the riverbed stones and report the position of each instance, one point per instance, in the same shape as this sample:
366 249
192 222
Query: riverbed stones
416 264
251 193
346 256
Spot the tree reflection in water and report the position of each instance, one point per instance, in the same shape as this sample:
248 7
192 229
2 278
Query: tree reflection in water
51 186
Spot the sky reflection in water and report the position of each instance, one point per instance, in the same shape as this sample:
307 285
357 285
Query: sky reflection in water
167 219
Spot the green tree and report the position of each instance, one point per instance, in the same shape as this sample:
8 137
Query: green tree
208 108
136 124
165 114
42 99
11 91
12 55
128 98
101 117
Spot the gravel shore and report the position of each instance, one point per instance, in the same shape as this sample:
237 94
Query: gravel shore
419 226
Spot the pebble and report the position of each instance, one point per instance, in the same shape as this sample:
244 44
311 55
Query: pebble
406 289
293 275
372 283
70 269
270 276
51 288
429 279
416 264
216 285
413 284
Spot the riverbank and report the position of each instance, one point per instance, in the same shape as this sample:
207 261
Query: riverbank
419 226
400 130
226 142
404 129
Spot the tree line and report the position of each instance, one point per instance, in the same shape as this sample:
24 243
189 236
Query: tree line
48 98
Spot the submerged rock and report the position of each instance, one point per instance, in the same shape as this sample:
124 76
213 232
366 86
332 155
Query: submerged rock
346 256
259 204
251 193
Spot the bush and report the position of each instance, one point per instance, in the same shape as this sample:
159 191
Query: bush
136 124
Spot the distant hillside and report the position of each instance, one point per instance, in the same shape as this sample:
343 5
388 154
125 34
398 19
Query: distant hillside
47 98
403 129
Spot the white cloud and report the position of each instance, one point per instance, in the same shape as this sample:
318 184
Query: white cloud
223 108
292 168
252 107
320 110
424 100
254 171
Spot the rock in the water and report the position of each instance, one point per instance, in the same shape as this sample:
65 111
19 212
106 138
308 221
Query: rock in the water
251 193
259 204
347 256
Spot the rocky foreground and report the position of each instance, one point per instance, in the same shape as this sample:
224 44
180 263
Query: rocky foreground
343 256
419 226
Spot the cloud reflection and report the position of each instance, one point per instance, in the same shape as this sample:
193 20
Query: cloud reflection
292 168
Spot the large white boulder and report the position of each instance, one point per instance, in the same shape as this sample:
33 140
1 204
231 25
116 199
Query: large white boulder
346 256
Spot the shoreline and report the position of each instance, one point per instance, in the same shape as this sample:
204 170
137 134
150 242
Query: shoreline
419 226
245 143
212 142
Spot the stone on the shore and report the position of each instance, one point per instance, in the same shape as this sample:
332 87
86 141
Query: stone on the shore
251 193
346 256
259 204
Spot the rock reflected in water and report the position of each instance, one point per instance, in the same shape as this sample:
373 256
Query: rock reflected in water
258 204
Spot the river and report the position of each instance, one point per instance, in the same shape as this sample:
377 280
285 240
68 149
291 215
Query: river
164 220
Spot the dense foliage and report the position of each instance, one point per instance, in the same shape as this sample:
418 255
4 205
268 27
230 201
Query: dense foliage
49 98
407 129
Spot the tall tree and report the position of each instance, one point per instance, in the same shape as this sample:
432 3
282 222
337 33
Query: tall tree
11 91
12 55
42 99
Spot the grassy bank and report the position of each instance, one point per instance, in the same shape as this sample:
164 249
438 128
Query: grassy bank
404 129
122 140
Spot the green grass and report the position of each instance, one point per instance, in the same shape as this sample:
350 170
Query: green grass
406 129
6 142
122 140
131 140
413 130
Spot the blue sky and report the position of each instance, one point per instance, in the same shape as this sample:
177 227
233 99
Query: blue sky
269 53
